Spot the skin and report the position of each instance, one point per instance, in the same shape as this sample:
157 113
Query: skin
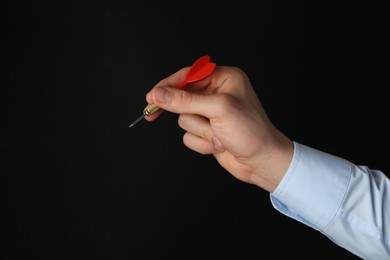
223 116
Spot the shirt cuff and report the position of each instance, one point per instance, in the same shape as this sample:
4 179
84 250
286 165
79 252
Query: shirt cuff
313 188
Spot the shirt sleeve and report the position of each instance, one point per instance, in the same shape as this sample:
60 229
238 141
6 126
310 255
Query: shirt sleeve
349 204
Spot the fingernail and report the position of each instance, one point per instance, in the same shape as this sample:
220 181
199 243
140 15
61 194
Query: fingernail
161 95
218 145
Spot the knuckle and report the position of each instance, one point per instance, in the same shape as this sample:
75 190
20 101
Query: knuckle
185 98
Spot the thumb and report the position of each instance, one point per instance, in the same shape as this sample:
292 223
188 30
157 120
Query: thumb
180 101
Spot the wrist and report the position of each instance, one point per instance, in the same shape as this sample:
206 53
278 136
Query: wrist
273 166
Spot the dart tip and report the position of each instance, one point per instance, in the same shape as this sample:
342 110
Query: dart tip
132 124
136 121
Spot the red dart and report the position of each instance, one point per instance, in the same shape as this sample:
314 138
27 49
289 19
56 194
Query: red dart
198 71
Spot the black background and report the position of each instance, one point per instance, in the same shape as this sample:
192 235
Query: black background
76 183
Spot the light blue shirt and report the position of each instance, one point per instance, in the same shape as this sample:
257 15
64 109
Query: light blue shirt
349 204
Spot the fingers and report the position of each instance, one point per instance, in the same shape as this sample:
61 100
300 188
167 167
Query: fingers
200 97
197 125
198 144
200 136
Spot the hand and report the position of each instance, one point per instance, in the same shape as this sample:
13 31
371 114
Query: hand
223 116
